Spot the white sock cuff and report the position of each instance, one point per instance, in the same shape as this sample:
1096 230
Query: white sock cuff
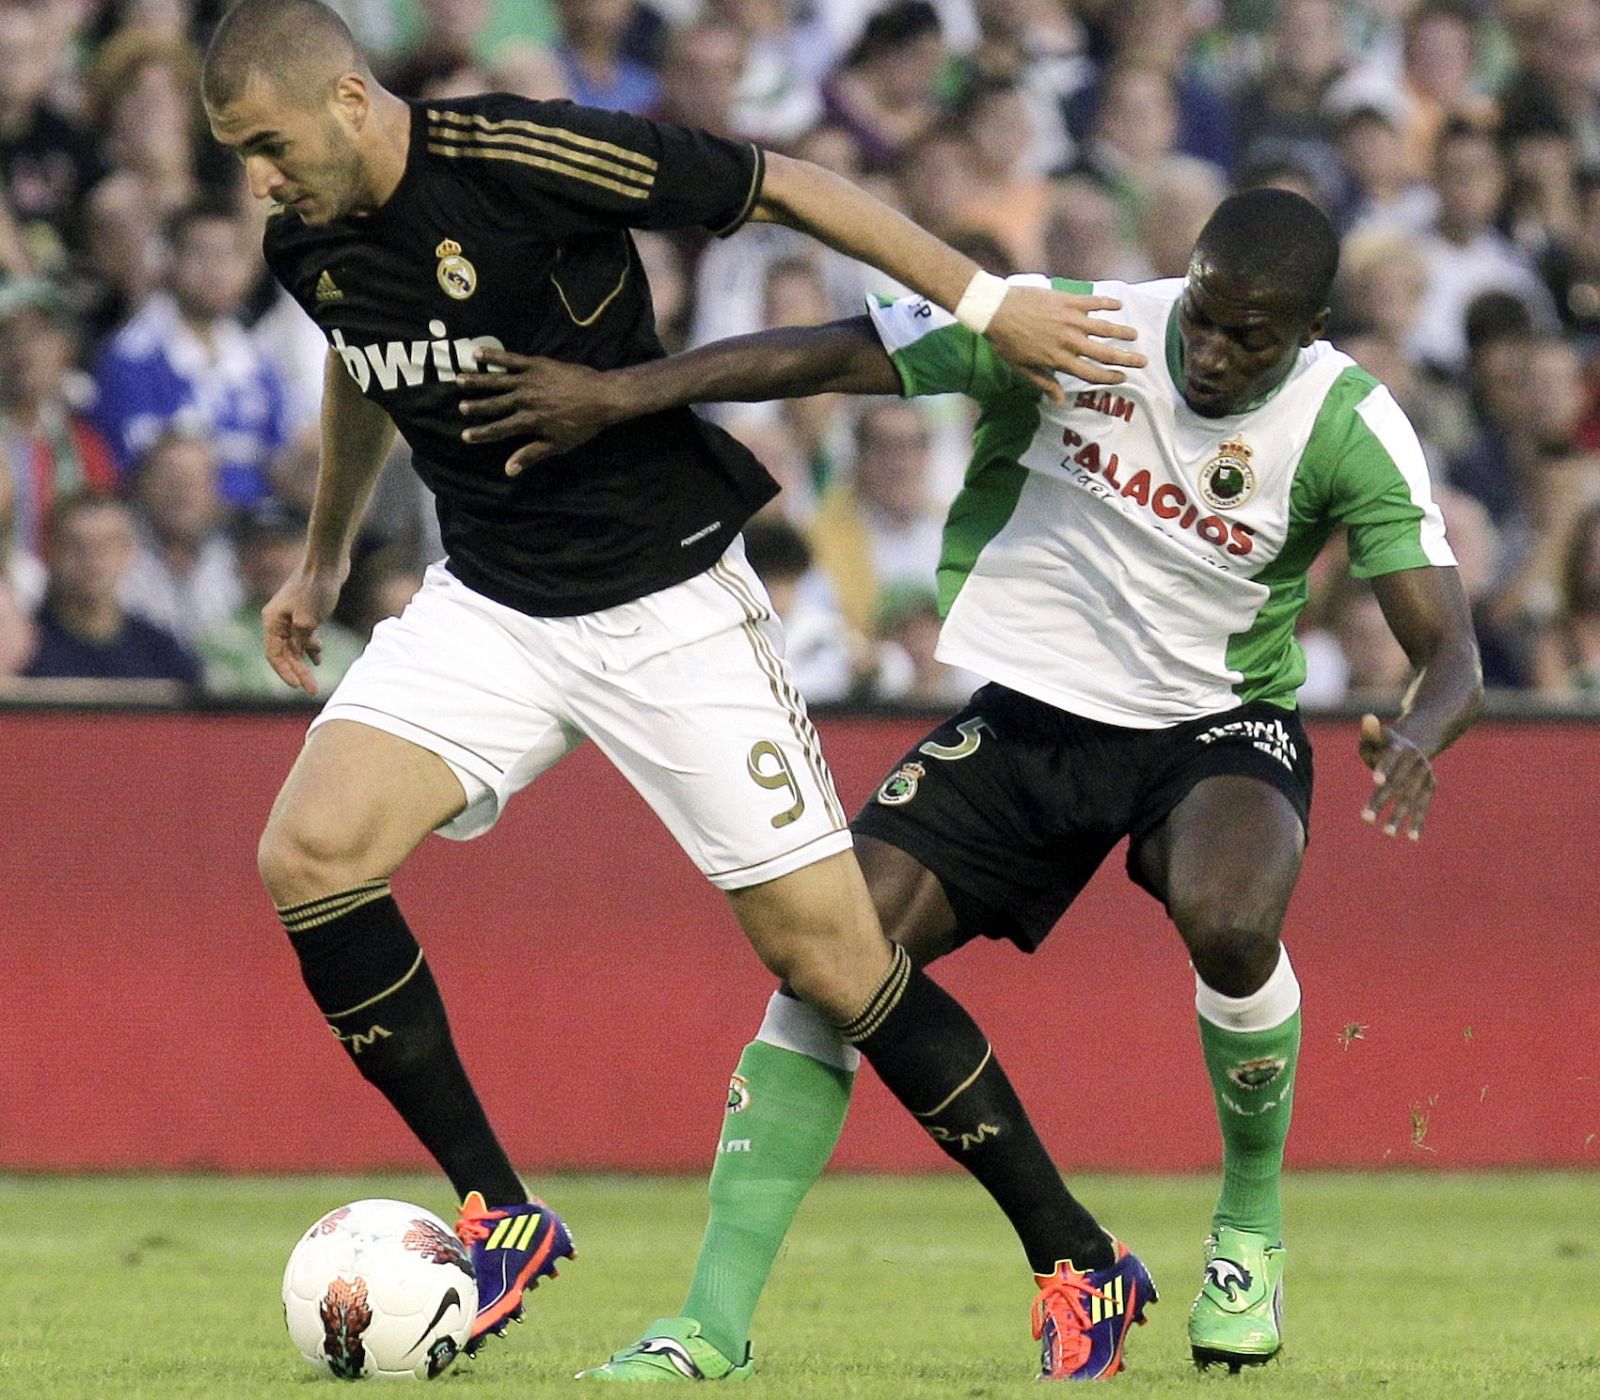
1270 1005
791 1024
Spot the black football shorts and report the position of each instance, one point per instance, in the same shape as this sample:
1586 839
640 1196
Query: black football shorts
1014 803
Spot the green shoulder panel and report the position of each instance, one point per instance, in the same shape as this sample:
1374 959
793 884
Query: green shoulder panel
1350 476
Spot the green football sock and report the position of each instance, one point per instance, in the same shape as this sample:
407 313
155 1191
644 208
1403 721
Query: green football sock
1252 1076
785 1112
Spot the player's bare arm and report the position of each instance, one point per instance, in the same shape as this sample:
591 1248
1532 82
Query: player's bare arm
356 437
1038 330
560 405
1428 612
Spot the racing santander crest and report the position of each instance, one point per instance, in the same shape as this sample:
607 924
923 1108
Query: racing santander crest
1228 480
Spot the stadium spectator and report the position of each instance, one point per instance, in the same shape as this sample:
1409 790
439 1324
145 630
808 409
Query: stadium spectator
1040 47
269 543
1464 252
1571 269
184 575
1008 202
1381 191
886 92
185 360
882 526
1567 664
442 41
48 162
380 587
779 94
20 568
1159 35
908 623
595 67
701 69
1541 201
83 629
124 253
1383 277
828 661
821 427
1183 194
1560 50
46 448
1086 232
18 635
1135 124
143 98
936 181
1376 670
1438 49
1280 112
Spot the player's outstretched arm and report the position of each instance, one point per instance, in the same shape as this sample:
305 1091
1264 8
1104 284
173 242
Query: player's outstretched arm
1038 330
356 437
1428 612
560 405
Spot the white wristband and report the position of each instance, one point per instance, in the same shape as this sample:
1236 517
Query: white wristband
980 301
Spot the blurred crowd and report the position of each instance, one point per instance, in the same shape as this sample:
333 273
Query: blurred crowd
159 395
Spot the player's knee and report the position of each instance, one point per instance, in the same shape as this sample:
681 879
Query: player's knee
1234 949
836 969
298 861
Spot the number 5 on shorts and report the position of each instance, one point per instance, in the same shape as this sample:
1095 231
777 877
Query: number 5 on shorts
780 777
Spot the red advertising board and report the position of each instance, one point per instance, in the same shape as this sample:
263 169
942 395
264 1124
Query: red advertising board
600 990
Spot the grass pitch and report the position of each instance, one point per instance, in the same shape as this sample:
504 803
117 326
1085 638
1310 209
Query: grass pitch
1410 1287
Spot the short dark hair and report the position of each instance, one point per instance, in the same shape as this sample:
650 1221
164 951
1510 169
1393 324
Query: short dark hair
281 39
1276 241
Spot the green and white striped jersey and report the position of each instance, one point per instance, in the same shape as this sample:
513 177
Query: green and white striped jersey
1121 557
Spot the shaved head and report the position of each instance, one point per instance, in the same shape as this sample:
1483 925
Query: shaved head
301 47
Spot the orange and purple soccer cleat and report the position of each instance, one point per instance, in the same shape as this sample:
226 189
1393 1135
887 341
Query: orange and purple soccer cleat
1081 1320
513 1247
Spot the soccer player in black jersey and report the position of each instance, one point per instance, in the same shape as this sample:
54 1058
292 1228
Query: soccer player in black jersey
607 599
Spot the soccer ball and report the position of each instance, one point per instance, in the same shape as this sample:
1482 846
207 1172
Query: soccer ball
379 1290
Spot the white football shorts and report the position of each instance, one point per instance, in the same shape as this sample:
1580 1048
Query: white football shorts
684 690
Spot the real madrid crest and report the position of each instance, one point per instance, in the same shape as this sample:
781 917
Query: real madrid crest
1228 480
456 275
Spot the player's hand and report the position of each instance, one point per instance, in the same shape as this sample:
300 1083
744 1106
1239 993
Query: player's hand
290 620
1041 331
1402 779
555 404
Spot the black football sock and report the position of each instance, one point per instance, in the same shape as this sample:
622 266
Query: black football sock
937 1062
368 978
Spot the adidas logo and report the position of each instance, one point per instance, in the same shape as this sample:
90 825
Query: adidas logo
1107 1302
326 291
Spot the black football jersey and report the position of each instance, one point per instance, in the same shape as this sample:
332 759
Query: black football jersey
509 228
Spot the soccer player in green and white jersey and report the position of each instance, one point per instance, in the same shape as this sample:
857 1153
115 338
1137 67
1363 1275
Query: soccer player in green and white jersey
1125 566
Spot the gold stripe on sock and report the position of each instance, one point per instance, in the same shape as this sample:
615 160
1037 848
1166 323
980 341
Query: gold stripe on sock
349 901
960 1089
386 992
882 1001
312 906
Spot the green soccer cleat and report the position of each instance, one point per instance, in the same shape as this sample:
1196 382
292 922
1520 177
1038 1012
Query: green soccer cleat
1238 1317
671 1349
